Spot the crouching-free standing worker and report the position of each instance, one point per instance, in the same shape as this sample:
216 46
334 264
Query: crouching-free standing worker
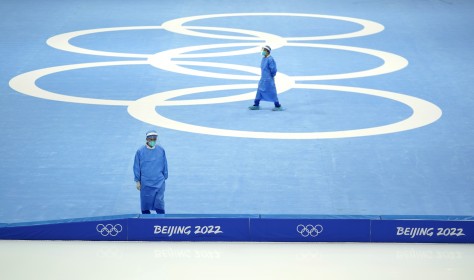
266 86
150 168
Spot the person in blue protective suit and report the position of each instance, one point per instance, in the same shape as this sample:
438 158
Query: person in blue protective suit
266 86
150 168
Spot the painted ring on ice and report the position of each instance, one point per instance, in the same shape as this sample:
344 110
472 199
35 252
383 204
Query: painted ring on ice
368 27
163 60
424 113
26 83
61 41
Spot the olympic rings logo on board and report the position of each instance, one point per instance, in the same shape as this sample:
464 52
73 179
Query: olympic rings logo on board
183 61
309 230
109 229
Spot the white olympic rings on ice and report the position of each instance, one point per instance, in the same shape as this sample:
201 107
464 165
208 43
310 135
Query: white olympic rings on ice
174 60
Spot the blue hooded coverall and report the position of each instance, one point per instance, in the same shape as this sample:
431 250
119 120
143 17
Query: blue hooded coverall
150 168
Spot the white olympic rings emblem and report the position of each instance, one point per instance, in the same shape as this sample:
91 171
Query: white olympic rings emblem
309 230
109 229
176 60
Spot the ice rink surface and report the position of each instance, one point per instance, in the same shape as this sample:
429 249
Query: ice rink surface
389 114
382 89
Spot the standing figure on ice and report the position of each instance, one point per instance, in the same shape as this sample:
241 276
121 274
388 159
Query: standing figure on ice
150 169
266 86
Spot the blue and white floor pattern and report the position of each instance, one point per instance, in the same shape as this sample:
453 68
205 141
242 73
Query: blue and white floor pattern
377 104
378 121
377 117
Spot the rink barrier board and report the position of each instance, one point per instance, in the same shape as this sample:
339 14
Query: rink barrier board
249 228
